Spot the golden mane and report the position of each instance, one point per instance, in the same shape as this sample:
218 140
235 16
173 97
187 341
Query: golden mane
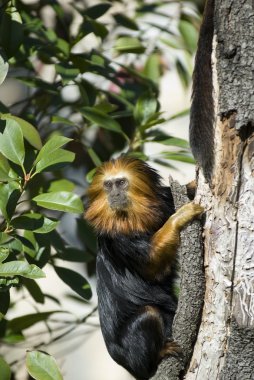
142 212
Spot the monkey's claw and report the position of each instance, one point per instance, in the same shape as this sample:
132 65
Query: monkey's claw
171 348
197 209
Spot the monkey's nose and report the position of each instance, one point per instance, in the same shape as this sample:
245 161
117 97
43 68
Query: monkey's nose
115 194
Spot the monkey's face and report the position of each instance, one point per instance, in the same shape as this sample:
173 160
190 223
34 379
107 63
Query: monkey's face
116 189
124 196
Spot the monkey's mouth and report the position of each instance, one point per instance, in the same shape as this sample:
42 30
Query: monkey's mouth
118 203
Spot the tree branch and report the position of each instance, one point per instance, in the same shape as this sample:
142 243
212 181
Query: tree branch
192 287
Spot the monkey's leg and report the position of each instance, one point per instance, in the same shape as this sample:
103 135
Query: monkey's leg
142 342
165 241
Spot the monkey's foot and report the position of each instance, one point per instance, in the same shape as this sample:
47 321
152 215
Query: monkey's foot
170 348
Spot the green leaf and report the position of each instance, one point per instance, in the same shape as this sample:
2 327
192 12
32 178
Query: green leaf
4 237
4 370
165 139
12 143
3 108
14 244
139 155
155 119
4 253
102 119
90 175
183 72
8 282
34 290
178 156
4 67
11 31
47 226
175 42
129 45
4 169
4 302
20 268
51 88
28 130
61 185
67 72
42 366
63 46
75 281
97 10
62 120
145 108
189 34
53 299
9 196
152 69
180 114
13 338
105 107
25 321
53 144
96 160
174 141
76 255
39 253
34 222
91 26
87 235
58 158
61 201
125 21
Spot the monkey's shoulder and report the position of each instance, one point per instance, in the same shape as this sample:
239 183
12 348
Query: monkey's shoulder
126 250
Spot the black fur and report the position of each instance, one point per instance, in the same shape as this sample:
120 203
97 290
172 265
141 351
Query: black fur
202 108
133 336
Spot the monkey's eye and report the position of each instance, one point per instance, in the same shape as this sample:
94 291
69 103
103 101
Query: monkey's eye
121 182
108 185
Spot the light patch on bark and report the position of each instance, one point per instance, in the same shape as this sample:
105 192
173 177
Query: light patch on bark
243 295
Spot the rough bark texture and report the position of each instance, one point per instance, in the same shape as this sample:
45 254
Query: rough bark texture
191 295
234 24
225 346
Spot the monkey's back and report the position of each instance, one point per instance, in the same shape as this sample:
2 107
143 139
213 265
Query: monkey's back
123 291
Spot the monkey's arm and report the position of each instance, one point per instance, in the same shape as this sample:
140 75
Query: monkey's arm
165 241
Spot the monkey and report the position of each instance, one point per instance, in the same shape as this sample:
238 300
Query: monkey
201 130
138 233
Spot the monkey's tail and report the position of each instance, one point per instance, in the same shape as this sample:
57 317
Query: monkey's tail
202 108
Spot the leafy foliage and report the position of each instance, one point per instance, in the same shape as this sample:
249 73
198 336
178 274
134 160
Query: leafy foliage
91 81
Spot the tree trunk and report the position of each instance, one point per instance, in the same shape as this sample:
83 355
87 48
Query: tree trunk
224 347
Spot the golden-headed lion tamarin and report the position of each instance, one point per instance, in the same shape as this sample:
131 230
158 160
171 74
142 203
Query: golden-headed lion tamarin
138 235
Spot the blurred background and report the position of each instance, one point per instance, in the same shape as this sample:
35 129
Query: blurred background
113 77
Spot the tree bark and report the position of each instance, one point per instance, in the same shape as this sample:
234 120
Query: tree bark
192 287
225 344
224 347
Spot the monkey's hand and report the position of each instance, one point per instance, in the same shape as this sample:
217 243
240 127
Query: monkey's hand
184 215
166 240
